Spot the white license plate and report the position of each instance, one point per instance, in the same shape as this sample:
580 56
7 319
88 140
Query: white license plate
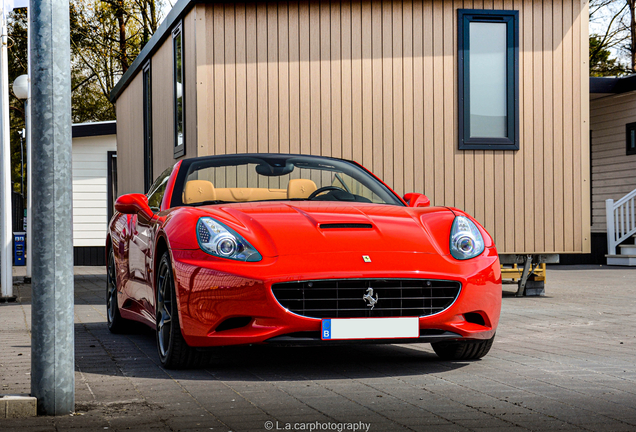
370 328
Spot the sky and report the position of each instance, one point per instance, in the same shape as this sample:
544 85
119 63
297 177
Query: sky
599 23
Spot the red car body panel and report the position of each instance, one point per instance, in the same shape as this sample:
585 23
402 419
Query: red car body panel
403 243
210 295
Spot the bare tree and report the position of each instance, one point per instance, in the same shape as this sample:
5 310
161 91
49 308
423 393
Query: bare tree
632 34
617 18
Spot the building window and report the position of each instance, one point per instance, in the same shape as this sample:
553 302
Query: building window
179 94
631 138
147 126
488 70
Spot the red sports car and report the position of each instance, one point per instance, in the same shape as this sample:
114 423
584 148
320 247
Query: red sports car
293 249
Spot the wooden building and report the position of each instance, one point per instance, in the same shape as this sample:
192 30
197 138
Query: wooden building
613 164
388 84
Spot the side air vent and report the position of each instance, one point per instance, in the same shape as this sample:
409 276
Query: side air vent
346 225
475 318
233 323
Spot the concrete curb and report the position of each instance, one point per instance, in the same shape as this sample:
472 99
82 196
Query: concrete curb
18 406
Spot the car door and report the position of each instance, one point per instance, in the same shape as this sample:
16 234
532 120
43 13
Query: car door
141 248
138 249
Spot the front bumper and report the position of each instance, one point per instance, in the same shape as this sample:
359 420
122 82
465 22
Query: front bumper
212 290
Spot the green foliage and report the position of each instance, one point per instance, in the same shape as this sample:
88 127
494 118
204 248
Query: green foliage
600 62
106 36
17 28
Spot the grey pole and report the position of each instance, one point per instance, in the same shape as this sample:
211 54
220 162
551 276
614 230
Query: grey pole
29 239
52 341
27 124
6 260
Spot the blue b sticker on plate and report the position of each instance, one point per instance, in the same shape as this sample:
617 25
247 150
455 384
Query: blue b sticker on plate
326 329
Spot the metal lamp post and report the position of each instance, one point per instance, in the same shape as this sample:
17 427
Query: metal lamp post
50 190
21 91
6 260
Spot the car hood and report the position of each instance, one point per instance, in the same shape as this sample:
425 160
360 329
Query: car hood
288 228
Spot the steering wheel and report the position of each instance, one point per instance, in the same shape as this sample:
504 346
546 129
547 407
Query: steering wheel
318 191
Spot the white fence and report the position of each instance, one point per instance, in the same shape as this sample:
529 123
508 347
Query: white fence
621 220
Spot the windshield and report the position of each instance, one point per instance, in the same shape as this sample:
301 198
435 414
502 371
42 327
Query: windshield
249 178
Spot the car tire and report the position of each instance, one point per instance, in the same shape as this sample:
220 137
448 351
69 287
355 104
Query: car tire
116 324
463 350
174 352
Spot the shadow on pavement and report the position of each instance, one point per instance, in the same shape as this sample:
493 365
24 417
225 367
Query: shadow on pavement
135 354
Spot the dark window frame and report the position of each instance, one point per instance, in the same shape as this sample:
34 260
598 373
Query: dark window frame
591 179
147 96
111 179
179 149
511 18
628 128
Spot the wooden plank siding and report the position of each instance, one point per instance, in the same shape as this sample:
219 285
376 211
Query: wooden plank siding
162 110
130 139
376 81
612 169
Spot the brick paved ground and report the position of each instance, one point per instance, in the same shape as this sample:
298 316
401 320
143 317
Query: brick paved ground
563 362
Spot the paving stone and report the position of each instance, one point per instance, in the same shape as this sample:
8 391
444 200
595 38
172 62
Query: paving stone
557 364
438 428
18 406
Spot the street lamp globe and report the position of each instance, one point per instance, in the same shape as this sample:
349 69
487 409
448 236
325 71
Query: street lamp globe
21 87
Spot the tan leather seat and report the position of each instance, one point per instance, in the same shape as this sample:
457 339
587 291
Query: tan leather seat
300 188
249 194
196 191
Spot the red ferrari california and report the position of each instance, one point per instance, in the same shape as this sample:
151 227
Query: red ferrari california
297 250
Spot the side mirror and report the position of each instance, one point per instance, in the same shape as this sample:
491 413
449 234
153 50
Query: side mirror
417 200
134 204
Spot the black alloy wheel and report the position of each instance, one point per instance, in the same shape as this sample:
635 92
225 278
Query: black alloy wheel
116 324
174 352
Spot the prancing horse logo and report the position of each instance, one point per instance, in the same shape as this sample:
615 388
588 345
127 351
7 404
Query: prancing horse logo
368 297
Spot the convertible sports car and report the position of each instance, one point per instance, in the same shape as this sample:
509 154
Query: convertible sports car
293 249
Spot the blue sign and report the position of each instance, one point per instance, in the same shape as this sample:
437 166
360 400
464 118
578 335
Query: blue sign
19 249
326 329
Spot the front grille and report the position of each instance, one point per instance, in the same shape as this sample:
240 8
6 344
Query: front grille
343 298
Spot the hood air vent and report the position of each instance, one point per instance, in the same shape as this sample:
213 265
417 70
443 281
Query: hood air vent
346 225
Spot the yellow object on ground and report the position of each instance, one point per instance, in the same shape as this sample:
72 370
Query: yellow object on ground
514 273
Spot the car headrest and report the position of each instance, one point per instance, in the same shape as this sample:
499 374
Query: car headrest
198 191
300 188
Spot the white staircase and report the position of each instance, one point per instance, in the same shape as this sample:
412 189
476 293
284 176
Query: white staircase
621 225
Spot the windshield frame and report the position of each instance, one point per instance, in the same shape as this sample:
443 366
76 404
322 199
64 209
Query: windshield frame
239 159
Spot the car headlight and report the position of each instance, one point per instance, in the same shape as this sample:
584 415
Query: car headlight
222 241
465 239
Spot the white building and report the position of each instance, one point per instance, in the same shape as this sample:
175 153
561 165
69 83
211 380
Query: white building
94 186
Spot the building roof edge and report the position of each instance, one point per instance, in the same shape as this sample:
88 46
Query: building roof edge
178 11
608 85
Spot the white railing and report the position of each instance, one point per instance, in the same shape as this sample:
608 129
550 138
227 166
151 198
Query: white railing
621 220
